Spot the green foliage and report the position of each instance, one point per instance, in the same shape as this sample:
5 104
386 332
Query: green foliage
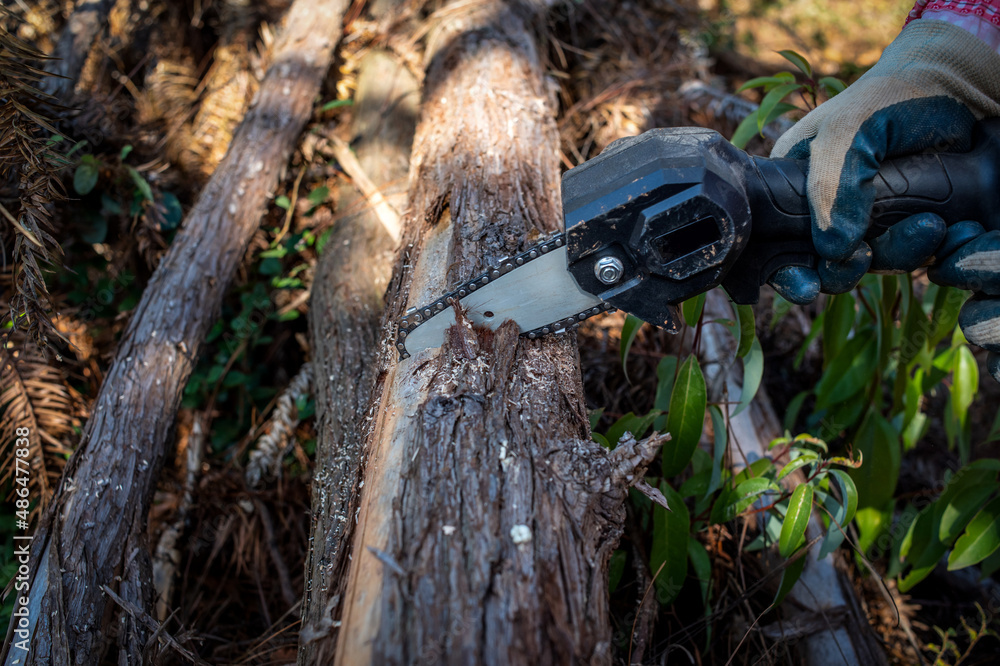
779 88
885 353
122 191
700 488
947 651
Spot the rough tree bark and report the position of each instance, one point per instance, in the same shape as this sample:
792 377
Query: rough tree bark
94 533
345 322
487 514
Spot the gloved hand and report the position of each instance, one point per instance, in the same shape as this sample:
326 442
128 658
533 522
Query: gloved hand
925 93
969 258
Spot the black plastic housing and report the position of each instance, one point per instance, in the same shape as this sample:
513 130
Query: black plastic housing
675 207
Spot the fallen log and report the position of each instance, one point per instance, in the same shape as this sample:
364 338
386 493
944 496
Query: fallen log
487 514
94 534
345 315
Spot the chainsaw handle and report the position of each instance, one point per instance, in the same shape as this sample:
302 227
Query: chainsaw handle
955 185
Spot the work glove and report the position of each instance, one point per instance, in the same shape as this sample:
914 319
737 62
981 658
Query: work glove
969 258
925 93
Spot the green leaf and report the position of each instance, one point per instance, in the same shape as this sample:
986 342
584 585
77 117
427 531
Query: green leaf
980 539
841 513
760 82
814 330
778 111
961 507
319 195
990 565
616 567
126 149
629 330
270 266
140 183
753 373
807 458
850 371
172 211
600 439
794 407
832 85
671 531
336 104
746 130
692 309
789 577
964 384
687 416
595 417
718 449
747 330
878 444
947 304
772 99
701 564
85 178
283 202
793 529
797 60
666 370
838 320
744 495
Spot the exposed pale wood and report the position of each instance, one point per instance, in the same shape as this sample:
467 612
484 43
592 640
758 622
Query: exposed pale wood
94 533
824 597
487 515
385 213
345 323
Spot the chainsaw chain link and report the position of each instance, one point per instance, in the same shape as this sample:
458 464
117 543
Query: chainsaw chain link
415 317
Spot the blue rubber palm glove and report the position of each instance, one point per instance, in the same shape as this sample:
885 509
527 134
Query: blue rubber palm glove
925 93
970 259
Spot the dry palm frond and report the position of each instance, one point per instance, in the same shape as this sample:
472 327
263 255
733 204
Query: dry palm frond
229 85
34 395
28 159
265 460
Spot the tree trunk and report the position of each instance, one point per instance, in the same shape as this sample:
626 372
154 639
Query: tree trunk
345 321
88 20
487 514
95 530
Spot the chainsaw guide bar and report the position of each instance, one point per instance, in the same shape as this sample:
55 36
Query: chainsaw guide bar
548 258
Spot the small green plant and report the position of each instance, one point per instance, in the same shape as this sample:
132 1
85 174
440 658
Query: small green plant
125 193
948 652
699 486
779 88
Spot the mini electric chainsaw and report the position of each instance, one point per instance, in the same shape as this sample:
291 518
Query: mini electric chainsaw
661 217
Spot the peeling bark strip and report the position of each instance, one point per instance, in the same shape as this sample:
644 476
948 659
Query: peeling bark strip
487 515
94 533
344 316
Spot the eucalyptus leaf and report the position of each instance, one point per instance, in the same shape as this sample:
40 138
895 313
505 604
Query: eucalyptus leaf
980 539
793 529
688 401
